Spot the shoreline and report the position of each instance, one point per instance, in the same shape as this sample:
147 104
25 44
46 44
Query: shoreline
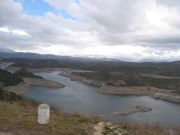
153 92
133 90
20 89
67 72
24 87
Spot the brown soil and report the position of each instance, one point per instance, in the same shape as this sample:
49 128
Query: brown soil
135 90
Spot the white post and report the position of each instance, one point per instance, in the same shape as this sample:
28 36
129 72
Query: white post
43 114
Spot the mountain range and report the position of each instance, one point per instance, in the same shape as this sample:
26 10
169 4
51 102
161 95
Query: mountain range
5 53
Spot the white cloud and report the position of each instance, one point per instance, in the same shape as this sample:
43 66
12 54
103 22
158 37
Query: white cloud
14 31
4 29
124 29
20 32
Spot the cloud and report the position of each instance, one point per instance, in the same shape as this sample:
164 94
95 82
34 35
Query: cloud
15 31
91 27
9 12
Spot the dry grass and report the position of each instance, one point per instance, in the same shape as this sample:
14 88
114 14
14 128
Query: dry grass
20 118
23 115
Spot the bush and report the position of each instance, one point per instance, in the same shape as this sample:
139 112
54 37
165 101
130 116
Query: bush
9 79
8 96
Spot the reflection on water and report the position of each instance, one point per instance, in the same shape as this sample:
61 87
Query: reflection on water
80 98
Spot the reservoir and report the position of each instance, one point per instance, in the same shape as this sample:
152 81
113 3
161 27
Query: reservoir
77 97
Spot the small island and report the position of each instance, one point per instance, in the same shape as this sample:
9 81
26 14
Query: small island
136 109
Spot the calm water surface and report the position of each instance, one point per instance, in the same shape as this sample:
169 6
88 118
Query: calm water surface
80 98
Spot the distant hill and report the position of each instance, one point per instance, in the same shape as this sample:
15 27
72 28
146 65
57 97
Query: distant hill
12 54
4 53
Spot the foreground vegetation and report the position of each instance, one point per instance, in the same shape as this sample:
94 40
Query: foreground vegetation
23 116
20 118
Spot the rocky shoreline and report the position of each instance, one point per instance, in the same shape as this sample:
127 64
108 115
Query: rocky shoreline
167 97
156 93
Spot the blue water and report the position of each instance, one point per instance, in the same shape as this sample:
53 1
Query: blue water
80 98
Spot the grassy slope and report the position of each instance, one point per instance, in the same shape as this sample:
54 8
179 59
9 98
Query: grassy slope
20 118
23 116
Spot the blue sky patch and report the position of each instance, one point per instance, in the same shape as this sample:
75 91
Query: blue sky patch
77 1
36 7
66 15
39 8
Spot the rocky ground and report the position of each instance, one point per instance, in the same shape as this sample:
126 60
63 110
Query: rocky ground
107 128
167 97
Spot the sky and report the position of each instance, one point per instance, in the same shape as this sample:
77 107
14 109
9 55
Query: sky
130 30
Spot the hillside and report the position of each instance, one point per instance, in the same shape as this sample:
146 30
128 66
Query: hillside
162 68
132 79
9 79
8 96
19 117
163 75
23 73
